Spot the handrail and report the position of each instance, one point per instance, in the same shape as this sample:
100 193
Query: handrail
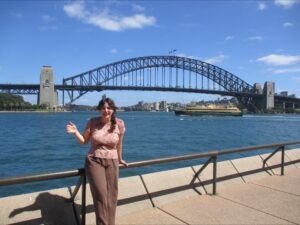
78 172
41 177
256 147
212 154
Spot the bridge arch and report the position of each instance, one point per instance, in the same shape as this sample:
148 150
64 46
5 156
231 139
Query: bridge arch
162 73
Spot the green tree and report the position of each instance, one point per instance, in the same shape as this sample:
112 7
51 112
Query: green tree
11 105
22 106
10 101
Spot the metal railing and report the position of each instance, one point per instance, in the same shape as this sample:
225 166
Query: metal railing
213 156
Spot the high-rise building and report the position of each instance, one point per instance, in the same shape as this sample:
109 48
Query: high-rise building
284 93
163 105
156 106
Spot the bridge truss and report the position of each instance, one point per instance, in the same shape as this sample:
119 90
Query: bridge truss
161 73
20 89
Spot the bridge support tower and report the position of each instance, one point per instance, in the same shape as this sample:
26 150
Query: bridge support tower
267 101
47 95
269 92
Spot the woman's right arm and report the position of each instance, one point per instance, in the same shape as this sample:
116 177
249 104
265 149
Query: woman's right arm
81 139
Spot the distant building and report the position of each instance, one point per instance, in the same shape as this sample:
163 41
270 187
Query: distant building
284 93
140 106
147 106
292 96
156 106
163 106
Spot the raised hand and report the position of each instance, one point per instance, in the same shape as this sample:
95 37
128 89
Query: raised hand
71 128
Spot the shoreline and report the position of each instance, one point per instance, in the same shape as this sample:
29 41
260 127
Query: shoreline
35 111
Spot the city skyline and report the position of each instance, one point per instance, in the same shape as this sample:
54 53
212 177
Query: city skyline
255 40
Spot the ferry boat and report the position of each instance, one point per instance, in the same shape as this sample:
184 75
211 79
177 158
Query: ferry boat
210 110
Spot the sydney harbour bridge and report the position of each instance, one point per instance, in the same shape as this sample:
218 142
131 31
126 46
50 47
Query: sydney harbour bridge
156 73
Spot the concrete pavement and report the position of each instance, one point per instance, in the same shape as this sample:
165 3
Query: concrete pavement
269 200
247 193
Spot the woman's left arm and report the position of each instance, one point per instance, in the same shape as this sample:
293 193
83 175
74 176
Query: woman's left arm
119 149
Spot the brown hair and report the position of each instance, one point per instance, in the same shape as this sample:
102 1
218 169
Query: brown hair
112 105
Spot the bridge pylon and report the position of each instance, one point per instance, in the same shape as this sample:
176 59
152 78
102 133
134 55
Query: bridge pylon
269 92
266 101
47 95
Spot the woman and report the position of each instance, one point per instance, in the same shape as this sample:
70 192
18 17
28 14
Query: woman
102 161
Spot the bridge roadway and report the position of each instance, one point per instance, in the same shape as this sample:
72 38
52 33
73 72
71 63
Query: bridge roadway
34 89
246 194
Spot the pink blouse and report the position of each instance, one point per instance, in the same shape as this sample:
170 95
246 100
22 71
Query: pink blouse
103 142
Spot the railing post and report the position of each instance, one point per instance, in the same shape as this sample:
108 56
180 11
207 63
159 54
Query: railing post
282 160
77 187
83 199
201 169
214 175
271 155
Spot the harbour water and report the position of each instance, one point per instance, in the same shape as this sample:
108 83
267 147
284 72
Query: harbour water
34 143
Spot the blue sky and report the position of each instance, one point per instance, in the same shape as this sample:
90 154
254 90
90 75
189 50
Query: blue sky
256 40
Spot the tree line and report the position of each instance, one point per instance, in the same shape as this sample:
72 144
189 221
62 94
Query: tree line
11 102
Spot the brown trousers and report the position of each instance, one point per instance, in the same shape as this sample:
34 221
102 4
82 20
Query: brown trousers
103 176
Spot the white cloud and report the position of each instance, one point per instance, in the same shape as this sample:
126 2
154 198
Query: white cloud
113 51
296 79
216 59
187 56
47 18
104 19
288 70
261 6
137 21
286 4
138 8
48 23
288 24
75 9
255 38
213 60
229 37
278 60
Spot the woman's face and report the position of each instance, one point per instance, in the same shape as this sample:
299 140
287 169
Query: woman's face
106 111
